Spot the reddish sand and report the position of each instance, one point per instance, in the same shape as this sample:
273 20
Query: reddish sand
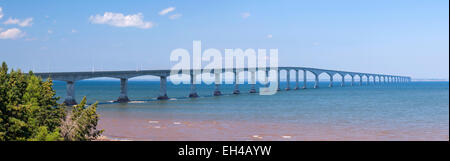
165 129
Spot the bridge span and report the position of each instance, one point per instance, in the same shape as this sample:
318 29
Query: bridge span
71 77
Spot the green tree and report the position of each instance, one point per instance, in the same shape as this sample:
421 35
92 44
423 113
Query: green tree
81 124
29 110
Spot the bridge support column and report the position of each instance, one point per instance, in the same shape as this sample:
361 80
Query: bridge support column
217 82
193 92
288 80
163 88
252 82
236 83
278 80
316 83
353 81
123 90
266 79
70 96
296 80
360 80
304 79
368 80
343 81
331 81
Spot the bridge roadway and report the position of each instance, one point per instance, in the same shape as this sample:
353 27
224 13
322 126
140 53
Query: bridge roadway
71 77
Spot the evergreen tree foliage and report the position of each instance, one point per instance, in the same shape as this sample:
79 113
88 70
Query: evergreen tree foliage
29 111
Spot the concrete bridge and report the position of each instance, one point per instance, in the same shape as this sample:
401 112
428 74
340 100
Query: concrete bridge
72 77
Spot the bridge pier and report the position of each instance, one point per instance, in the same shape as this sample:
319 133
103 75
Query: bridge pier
296 80
278 80
353 80
316 83
70 93
343 80
193 92
288 80
252 82
360 80
266 79
236 83
123 90
331 81
304 79
217 83
368 80
163 88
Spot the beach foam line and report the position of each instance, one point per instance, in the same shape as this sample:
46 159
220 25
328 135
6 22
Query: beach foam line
257 136
136 102
153 122
286 137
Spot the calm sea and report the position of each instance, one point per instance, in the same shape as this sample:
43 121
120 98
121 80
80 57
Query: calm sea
413 111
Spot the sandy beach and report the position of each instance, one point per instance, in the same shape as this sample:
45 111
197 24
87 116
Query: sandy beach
192 130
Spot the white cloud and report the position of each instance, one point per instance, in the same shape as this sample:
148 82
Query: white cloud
269 36
245 15
13 33
166 11
175 16
120 20
50 31
1 12
24 23
74 31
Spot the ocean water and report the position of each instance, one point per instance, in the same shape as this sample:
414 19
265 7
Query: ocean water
412 111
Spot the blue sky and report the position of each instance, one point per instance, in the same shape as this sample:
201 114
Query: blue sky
406 37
